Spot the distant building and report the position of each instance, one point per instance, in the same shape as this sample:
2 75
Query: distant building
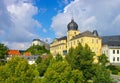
41 43
31 59
13 53
74 36
111 47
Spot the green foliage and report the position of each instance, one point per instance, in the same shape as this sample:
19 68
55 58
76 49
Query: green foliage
43 65
103 59
58 57
114 69
77 67
37 50
38 60
81 58
102 75
3 51
61 72
17 70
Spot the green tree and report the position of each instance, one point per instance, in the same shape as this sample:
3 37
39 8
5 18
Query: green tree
102 75
61 72
37 50
3 51
43 65
58 57
103 59
17 70
81 58
38 60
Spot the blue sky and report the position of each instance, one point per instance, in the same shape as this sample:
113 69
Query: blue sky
21 21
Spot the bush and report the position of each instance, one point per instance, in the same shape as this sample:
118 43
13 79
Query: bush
115 72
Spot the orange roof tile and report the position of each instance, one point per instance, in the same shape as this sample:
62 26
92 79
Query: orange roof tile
13 52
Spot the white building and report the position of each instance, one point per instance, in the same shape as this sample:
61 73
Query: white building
41 43
111 47
31 59
37 42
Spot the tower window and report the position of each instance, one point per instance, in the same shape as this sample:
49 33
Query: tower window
75 33
92 40
81 40
77 41
97 41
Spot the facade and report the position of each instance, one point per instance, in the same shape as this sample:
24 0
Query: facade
41 43
31 59
74 36
59 46
111 48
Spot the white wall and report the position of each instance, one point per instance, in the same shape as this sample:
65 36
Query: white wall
115 56
112 57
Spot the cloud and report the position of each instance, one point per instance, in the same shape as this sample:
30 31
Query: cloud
18 45
62 2
102 15
44 30
17 25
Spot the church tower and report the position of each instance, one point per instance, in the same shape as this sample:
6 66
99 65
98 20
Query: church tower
72 30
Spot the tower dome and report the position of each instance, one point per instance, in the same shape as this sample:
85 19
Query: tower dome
72 25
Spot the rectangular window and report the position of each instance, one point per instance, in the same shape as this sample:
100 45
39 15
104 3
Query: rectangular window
92 40
117 51
117 58
81 40
113 51
74 42
96 40
77 41
113 58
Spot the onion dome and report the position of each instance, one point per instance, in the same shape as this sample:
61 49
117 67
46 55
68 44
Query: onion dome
36 39
72 25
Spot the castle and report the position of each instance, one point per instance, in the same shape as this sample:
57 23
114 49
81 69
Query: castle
73 38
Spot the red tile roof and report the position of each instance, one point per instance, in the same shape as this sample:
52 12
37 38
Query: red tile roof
27 54
13 52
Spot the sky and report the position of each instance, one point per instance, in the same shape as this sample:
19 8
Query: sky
21 21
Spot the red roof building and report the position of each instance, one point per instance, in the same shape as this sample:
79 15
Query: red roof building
27 54
13 52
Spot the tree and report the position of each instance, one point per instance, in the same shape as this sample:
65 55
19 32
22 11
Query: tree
61 72
3 51
43 65
103 59
102 75
38 60
37 50
58 57
17 70
81 58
